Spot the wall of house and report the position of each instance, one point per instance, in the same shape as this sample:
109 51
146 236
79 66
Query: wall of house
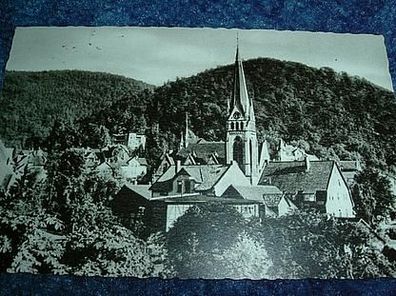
284 208
173 212
339 200
233 176
133 170
248 210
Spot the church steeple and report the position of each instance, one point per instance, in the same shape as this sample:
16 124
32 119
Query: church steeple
241 140
240 99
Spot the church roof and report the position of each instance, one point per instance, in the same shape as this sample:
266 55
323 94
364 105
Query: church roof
291 176
203 150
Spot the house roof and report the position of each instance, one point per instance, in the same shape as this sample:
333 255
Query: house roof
205 198
142 161
291 176
203 150
257 192
142 190
206 175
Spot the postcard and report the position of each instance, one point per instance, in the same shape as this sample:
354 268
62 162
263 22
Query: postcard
197 153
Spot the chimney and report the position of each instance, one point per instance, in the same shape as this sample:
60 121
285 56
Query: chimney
178 166
307 163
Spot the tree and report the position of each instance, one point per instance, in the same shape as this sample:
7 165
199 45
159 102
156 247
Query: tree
374 201
209 241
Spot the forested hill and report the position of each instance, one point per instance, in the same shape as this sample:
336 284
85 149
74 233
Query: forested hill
334 113
31 101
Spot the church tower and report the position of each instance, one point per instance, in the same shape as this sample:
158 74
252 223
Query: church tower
241 139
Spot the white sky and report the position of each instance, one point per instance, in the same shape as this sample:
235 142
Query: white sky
157 55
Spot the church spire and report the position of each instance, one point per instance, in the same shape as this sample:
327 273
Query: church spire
240 98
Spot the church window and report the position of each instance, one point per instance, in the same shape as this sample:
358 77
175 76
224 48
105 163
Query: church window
238 151
236 126
232 126
250 156
241 125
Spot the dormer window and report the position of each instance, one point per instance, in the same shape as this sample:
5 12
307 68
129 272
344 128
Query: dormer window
179 186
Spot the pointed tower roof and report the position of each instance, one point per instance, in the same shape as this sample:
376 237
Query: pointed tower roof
240 98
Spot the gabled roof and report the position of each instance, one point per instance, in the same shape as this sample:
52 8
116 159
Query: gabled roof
291 176
205 175
140 160
142 190
210 175
203 150
257 192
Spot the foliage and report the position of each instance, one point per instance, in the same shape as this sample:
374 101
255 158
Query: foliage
212 241
310 245
334 113
206 241
63 224
374 201
32 101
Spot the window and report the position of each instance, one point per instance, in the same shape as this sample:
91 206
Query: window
187 185
179 186
232 126
238 151
241 125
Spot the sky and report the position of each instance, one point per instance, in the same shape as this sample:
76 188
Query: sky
158 55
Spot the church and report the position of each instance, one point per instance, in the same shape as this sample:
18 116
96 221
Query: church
237 171
240 144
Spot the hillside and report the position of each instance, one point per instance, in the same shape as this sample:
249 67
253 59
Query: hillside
331 114
31 101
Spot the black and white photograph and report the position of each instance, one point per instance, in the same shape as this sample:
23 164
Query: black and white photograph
197 153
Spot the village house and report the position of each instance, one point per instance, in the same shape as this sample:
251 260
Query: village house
317 184
134 204
273 203
133 141
134 168
210 179
287 152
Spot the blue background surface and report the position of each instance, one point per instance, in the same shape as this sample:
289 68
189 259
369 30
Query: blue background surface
353 16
